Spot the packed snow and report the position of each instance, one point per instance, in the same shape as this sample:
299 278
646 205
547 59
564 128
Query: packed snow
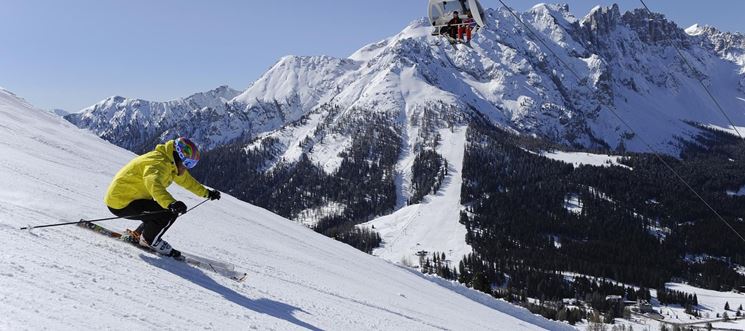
68 277
581 158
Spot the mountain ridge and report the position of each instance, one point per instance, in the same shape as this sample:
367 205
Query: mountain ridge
295 86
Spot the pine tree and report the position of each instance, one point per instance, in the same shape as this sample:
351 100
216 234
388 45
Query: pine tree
726 305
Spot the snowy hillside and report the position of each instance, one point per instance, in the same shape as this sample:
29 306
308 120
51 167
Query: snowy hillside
578 158
431 225
67 277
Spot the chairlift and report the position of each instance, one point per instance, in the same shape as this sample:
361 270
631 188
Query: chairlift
442 11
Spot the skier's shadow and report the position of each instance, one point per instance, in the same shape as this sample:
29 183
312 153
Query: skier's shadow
264 306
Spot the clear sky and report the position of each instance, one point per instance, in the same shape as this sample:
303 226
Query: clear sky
73 53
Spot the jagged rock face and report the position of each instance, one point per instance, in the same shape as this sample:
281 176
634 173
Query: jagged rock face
729 46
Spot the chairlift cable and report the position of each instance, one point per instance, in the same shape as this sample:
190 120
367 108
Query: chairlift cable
685 60
628 126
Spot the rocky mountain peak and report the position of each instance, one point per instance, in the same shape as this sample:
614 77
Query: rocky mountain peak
601 20
653 28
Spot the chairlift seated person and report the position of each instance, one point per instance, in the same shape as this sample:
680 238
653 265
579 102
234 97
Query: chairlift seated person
455 18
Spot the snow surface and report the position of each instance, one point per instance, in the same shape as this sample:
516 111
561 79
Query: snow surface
711 301
581 158
738 193
694 30
68 277
432 225
310 217
728 129
573 204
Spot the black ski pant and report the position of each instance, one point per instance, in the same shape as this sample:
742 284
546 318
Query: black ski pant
154 224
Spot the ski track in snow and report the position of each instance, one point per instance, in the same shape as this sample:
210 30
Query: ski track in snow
431 225
68 277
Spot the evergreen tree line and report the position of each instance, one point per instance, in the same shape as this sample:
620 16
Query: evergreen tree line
672 297
438 265
560 313
361 238
520 282
427 173
635 225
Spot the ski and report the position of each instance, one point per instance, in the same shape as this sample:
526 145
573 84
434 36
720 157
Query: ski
222 268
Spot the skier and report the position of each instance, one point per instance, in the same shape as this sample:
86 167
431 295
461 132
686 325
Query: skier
140 187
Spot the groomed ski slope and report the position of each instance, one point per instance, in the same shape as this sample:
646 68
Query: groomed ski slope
431 225
68 277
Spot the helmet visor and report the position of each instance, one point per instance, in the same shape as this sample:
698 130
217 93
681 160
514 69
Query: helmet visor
189 163
186 161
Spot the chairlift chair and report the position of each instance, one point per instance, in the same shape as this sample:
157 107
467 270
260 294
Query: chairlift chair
441 11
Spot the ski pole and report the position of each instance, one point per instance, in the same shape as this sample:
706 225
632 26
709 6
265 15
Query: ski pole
108 218
92 221
199 204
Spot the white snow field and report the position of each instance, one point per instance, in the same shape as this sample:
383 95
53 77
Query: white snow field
710 303
68 277
581 158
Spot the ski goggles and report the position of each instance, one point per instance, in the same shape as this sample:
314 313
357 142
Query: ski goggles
187 162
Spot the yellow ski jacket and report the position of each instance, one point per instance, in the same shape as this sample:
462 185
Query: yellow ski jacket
147 176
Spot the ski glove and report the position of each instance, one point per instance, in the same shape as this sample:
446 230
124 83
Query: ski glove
214 195
177 207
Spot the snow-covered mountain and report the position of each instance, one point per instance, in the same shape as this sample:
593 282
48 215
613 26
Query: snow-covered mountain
136 124
392 101
59 112
626 61
68 277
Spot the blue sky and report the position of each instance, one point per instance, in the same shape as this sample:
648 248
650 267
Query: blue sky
73 53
